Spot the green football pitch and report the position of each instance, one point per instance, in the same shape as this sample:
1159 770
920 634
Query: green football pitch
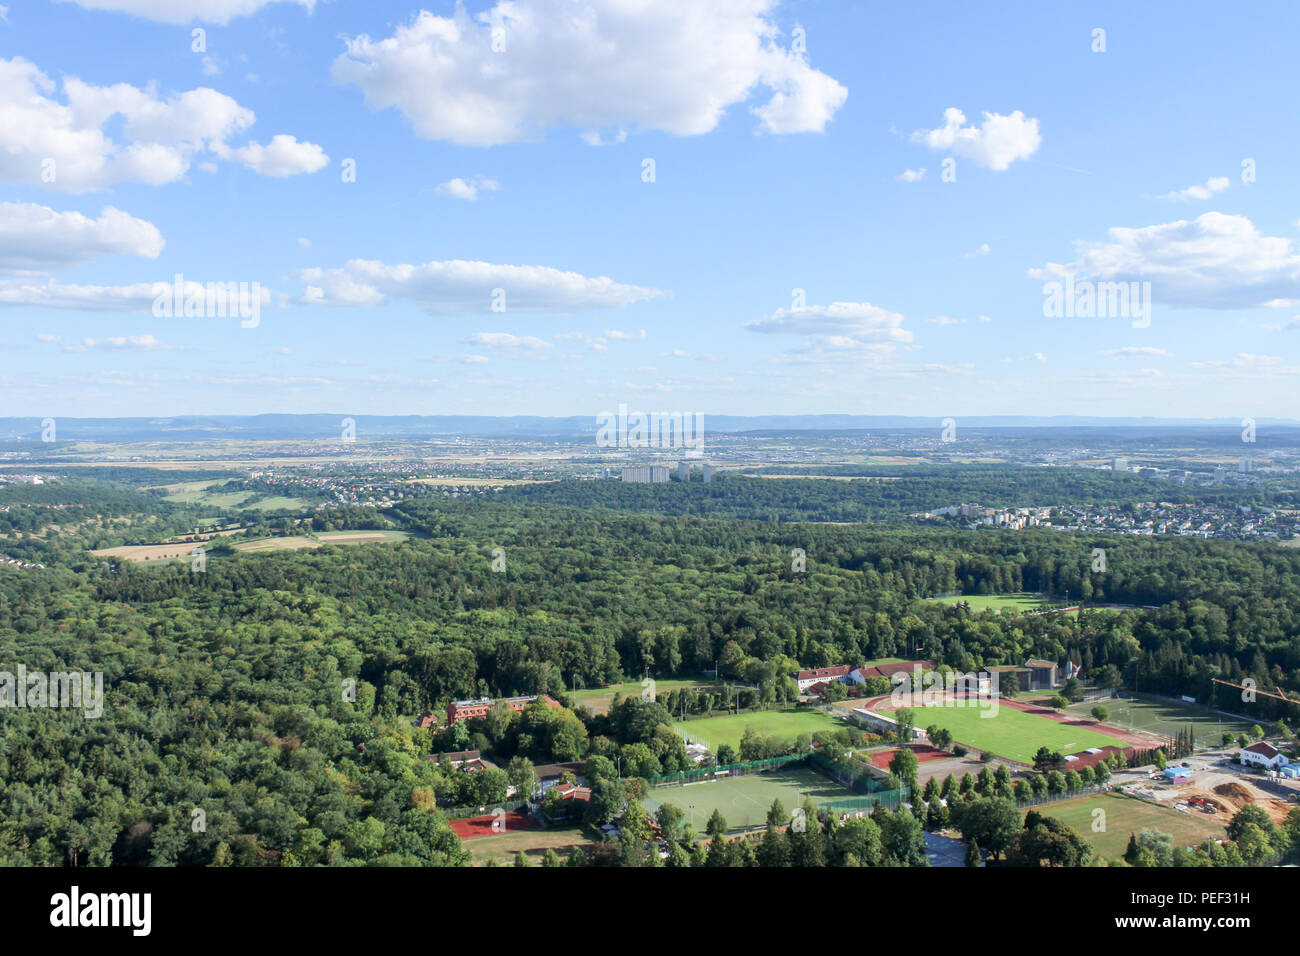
1023 601
713 732
1011 733
744 801
1166 718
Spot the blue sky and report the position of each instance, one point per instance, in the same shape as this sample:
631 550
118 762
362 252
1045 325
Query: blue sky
776 168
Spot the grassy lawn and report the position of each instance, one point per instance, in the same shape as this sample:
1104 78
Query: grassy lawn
1023 601
1012 733
744 801
503 847
1125 815
713 732
599 699
1164 717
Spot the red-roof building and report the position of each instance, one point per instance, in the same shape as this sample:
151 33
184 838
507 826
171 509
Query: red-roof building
466 709
1264 754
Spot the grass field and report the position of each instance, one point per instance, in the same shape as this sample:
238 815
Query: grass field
1125 815
1012 733
503 847
600 698
744 801
1023 601
1165 718
713 732
155 552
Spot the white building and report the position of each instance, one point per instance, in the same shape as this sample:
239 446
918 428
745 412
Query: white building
1263 755
646 474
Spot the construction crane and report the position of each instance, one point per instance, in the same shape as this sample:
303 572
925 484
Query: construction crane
1255 690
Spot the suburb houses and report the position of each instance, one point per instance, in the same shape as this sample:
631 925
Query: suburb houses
465 709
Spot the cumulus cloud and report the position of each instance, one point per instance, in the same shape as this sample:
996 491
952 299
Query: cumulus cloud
62 144
675 66
186 11
457 287
35 238
839 330
1206 191
283 156
996 143
911 175
467 189
1215 261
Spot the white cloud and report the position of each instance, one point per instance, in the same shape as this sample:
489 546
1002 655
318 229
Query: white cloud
283 156
911 175
996 144
983 249
1207 191
618 336
675 66
51 294
120 343
457 287
186 11
507 341
841 329
467 189
1131 351
63 145
1215 261
474 359
4 13
36 238
946 320
211 67
304 242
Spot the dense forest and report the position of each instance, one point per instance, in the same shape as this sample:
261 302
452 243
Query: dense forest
226 690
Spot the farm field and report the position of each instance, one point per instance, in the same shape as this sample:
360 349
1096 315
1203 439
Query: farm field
1012 733
744 801
1022 601
1166 718
156 552
1125 815
713 732
502 847
599 699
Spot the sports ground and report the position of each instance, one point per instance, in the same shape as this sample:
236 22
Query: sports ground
713 732
1125 815
1166 718
1022 601
1011 733
744 801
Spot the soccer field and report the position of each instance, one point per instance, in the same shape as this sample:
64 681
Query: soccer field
1012 733
1022 601
1166 718
713 732
744 801
1125 815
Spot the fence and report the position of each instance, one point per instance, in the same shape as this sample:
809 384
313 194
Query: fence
728 770
460 813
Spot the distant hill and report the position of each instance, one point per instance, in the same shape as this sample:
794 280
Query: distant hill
322 426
